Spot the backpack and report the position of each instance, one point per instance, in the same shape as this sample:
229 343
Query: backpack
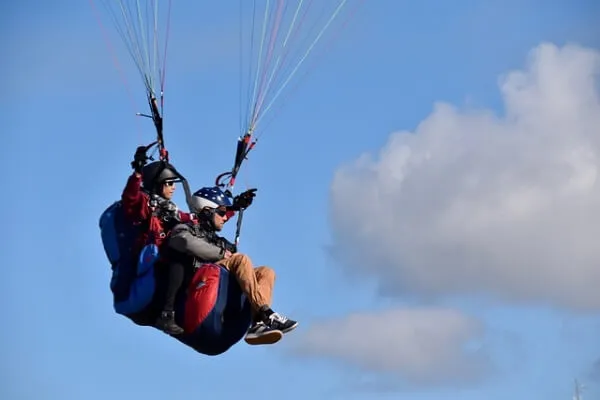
118 235
132 282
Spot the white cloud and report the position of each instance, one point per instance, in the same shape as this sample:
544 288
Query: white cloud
474 203
426 346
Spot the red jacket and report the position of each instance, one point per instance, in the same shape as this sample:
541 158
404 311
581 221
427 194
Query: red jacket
135 205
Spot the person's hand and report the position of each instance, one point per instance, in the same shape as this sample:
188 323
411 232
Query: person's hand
244 199
140 159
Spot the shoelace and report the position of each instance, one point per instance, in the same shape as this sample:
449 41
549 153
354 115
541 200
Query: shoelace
278 317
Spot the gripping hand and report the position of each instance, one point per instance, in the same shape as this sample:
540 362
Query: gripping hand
139 159
244 199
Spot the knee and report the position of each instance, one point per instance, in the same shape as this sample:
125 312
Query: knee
266 272
240 258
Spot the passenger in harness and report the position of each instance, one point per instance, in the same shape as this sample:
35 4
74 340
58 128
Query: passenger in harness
146 199
197 243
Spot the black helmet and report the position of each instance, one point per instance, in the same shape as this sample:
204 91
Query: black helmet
156 173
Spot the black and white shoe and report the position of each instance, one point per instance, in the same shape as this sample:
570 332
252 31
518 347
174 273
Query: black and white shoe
259 333
281 323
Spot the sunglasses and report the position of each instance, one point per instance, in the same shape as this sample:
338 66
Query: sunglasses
169 183
222 212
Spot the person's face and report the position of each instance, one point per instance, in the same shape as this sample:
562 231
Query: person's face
168 189
221 216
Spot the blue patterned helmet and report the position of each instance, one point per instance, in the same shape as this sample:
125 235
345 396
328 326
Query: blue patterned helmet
211 197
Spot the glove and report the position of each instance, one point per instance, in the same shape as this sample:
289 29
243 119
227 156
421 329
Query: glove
139 159
244 200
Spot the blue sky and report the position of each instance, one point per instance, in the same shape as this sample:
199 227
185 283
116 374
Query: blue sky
71 132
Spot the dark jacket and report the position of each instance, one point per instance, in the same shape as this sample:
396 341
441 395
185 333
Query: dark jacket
198 242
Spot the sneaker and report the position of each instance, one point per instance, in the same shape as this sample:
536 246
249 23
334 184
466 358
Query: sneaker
166 322
279 322
260 333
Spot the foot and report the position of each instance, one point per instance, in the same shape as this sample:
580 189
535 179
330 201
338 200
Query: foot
260 333
279 322
166 322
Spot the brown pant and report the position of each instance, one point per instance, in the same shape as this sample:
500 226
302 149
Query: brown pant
256 283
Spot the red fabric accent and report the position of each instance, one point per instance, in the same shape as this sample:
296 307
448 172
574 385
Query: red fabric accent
164 154
135 205
202 296
155 231
185 217
134 200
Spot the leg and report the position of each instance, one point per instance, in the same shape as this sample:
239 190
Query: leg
265 277
173 281
258 284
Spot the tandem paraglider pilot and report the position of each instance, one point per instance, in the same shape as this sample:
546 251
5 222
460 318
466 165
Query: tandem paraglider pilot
133 230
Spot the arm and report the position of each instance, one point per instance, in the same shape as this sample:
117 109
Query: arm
135 202
182 240
227 245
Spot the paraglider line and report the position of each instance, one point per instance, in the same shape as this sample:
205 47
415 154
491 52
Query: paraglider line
324 51
250 63
281 59
164 69
292 33
112 52
302 59
269 58
258 60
